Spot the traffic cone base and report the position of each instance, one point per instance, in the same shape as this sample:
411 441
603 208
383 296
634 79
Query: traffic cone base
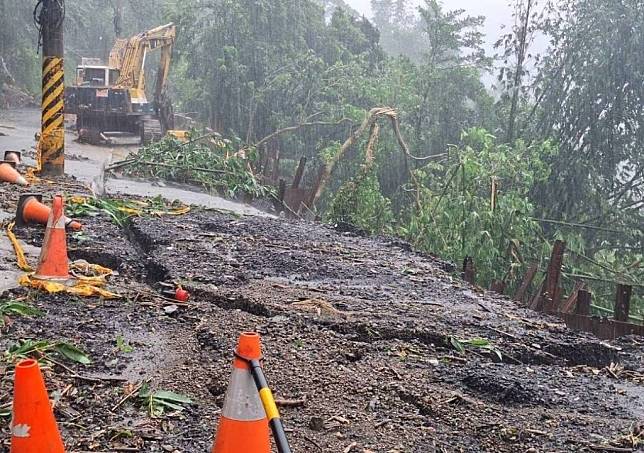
54 263
243 426
32 210
33 426
249 437
8 173
13 156
25 212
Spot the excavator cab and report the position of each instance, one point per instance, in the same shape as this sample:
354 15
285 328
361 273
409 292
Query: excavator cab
101 76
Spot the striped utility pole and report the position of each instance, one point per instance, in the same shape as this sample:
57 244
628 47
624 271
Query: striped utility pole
52 134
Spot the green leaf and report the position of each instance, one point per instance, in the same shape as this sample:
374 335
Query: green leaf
166 396
123 345
17 308
457 344
478 342
72 353
168 404
25 347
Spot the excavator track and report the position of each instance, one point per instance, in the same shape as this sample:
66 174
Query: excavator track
151 130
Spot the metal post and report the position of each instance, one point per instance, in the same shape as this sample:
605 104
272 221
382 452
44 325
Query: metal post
52 135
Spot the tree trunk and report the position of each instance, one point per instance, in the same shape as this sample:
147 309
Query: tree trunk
518 73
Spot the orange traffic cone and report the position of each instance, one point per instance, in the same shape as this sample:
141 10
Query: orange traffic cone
33 426
53 263
32 210
13 156
243 426
8 173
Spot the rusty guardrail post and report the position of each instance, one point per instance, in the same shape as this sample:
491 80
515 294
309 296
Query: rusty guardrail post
469 271
525 284
299 173
497 286
623 302
584 299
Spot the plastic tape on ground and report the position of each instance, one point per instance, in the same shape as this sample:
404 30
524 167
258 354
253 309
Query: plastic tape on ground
20 254
90 269
79 288
86 286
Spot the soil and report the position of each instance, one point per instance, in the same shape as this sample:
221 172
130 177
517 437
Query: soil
362 332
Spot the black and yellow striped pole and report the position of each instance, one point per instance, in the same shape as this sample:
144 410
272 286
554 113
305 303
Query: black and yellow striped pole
51 156
270 408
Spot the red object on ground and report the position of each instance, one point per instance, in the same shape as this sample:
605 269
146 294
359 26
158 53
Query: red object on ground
181 295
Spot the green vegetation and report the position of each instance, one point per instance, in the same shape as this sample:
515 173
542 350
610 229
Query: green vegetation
121 210
42 350
359 202
157 402
9 309
123 345
480 344
458 216
212 162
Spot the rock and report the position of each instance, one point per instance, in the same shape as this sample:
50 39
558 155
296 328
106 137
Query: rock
316 424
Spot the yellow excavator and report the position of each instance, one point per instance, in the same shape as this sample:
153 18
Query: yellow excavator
110 102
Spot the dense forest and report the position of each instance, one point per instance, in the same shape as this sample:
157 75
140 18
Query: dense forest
552 150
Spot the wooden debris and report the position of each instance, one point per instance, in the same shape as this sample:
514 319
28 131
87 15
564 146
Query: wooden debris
290 403
525 284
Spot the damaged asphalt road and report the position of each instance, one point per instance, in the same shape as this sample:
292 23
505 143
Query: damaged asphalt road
360 338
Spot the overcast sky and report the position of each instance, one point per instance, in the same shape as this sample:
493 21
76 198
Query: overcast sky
496 12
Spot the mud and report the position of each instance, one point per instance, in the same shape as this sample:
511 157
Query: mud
358 328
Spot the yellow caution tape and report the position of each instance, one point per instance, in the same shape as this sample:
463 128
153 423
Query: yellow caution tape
90 290
92 269
82 285
176 211
78 287
131 211
30 175
20 254
77 199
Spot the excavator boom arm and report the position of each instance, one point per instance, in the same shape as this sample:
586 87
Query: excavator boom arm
128 55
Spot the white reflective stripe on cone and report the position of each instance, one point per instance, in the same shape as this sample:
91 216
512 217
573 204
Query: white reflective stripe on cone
60 223
242 398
